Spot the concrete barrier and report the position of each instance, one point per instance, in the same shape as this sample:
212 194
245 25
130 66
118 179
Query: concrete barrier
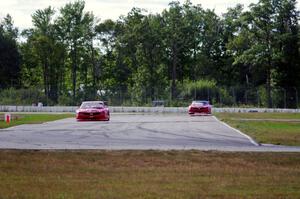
38 109
127 109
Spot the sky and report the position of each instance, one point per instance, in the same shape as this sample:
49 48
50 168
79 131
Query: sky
21 10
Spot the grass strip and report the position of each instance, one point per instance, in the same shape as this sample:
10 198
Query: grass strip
24 118
148 174
284 130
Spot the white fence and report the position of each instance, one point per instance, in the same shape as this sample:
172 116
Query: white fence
126 109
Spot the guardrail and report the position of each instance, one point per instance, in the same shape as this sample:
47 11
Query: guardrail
128 109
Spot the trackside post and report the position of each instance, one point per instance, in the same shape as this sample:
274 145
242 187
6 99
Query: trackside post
7 118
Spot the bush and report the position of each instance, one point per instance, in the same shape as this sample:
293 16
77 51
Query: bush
199 90
28 96
65 100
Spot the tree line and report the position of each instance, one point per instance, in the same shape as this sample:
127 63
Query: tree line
70 55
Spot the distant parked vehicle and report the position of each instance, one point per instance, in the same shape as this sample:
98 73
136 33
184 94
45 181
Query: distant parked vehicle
93 110
200 107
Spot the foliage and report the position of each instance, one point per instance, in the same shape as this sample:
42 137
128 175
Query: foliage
10 58
29 96
249 57
206 90
264 40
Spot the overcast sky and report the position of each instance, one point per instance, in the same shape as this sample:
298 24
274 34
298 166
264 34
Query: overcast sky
21 10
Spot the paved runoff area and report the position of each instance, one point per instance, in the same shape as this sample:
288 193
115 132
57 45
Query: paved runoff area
134 132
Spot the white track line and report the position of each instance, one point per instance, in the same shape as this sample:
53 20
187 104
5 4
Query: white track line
236 130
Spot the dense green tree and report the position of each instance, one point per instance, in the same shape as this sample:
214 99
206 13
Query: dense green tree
10 58
31 70
89 66
265 44
211 46
142 57
72 23
106 70
175 39
288 73
49 51
8 28
261 53
234 43
126 47
194 25
149 77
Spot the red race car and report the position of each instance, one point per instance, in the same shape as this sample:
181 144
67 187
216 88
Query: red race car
93 110
200 107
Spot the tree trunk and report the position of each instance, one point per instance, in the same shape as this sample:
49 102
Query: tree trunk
268 82
46 75
74 71
86 94
152 77
61 82
94 71
268 88
174 66
291 97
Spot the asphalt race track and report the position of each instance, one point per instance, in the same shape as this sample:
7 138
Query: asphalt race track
134 131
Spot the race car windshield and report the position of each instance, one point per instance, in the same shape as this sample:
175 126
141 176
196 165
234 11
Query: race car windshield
200 103
92 105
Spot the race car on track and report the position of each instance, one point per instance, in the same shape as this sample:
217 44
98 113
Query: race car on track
200 107
93 110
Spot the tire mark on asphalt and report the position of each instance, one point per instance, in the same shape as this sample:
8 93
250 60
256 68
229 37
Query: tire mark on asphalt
190 138
236 137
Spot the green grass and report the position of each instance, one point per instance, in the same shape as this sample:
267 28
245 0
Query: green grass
272 128
33 119
260 115
148 174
